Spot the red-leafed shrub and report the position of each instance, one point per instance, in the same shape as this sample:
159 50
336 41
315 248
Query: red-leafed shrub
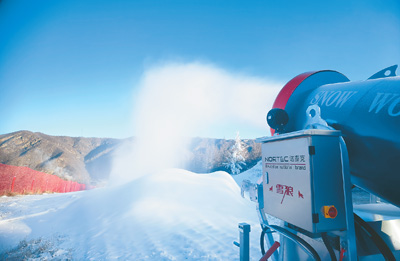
23 180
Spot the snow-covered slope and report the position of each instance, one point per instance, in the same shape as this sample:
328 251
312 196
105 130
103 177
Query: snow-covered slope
170 215
253 174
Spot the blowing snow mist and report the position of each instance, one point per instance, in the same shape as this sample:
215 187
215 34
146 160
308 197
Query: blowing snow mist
178 101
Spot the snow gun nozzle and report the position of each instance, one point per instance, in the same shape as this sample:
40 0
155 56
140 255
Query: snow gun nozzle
277 119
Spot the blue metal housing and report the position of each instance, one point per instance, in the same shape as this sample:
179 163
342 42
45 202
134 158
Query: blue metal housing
367 113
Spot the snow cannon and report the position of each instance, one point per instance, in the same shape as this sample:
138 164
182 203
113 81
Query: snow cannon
331 139
366 112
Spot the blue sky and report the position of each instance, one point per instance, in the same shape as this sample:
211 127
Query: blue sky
72 67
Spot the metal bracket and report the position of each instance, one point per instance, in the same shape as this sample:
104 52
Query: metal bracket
387 72
251 189
349 240
314 120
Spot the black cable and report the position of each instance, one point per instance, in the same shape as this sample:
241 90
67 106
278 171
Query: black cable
294 238
328 246
378 241
262 242
262 236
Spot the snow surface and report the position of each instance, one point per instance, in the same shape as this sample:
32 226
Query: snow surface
169 215
377 212
253 174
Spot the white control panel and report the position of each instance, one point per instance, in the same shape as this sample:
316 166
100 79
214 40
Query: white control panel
302 179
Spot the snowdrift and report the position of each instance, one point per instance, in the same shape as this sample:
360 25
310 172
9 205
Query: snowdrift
170 215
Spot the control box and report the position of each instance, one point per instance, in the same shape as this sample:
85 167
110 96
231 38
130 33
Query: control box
302 179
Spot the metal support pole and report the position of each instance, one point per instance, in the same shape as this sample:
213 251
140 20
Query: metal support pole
244 230
350 239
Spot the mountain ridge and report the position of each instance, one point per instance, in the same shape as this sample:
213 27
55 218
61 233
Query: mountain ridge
89 160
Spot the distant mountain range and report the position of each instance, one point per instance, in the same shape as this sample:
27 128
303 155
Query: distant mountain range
88 160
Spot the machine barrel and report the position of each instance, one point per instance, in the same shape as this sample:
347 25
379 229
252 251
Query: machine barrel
367 113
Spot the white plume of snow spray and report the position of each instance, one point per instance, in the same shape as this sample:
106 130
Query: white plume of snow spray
177 101
163 214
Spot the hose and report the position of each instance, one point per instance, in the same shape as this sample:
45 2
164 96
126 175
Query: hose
328 246
378 241
262 236
307 248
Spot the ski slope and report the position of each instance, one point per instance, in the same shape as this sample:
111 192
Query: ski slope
169 215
